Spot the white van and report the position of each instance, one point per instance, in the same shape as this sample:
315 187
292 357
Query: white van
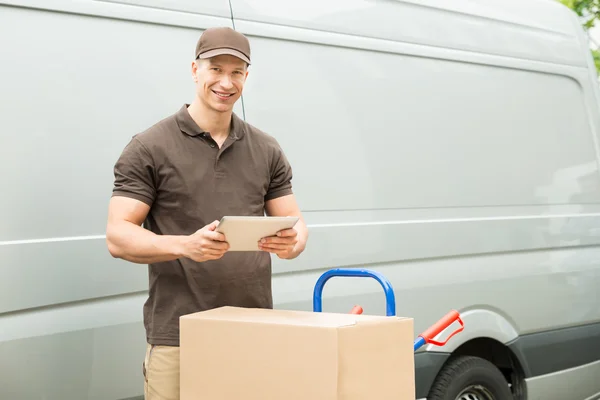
450 145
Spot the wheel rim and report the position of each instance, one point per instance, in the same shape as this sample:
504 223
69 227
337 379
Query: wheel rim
475 392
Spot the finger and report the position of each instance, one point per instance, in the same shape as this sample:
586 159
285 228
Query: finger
210 256
206 243
273 239
215 246
213 253
287 233
215 236
273 251
279 253
275 246
204 256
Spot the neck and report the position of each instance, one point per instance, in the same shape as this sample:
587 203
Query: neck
217 123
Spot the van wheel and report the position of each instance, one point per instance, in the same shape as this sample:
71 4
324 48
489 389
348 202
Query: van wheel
470 378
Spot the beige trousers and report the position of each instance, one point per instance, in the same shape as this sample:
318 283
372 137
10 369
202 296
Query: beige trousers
161 373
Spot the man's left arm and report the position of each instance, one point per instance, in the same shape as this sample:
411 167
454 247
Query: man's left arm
289 243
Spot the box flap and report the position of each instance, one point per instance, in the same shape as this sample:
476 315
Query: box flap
284 317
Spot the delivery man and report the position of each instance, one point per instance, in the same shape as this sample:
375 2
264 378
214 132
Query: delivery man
177 179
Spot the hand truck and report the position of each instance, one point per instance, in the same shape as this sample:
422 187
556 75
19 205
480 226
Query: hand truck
425 337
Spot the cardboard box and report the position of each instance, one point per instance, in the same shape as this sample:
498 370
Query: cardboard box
234 353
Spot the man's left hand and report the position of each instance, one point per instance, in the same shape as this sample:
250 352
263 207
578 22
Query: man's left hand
284 244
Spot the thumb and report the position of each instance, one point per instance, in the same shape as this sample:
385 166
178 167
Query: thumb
213 225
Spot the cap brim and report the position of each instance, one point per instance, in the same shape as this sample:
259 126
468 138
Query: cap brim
218 52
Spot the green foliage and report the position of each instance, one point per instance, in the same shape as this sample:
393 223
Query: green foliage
596 55
589 12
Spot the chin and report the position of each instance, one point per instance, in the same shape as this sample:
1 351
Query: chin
222 107
217 106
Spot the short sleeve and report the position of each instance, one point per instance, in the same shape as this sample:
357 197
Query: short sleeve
281 175
134 173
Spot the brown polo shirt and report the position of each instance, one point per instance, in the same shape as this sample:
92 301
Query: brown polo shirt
180 171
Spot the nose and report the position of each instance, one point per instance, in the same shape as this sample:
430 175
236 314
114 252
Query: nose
226 82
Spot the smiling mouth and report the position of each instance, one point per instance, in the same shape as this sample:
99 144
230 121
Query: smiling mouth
222 95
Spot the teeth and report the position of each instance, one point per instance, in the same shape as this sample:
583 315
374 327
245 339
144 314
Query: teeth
224 95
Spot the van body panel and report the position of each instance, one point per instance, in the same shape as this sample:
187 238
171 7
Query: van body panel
97 118
513 29
79 79
454 136
531 291
184 13
73 316
65 153
462 165
576 383
387 223
213 8
485 200
102 362
61 272
559 349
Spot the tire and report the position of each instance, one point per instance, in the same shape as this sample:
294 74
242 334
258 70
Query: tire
470 378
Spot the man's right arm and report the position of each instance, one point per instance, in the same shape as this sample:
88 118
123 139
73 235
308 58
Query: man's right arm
127 239
125 236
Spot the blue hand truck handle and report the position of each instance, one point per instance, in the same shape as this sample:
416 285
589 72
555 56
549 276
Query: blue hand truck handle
361 273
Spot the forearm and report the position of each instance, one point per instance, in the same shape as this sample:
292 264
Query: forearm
138 245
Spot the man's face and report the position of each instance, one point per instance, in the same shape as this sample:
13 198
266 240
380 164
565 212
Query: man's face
219 81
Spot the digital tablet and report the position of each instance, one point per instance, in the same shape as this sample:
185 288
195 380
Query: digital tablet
243 232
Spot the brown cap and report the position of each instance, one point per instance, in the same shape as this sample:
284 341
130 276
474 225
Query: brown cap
216 41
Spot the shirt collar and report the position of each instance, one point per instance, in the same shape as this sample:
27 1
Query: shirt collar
188 126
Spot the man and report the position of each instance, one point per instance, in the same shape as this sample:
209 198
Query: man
178 178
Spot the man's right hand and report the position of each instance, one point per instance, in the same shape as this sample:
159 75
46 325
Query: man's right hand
205 244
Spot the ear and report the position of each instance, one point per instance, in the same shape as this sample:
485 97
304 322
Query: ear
194 71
